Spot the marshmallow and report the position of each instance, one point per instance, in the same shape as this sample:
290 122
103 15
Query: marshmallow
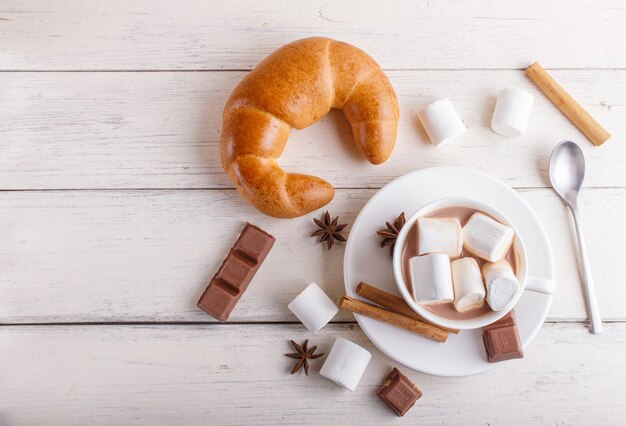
431 279
313 308
486 237
441 121
502 284
510 118
346 363
469 290
439 235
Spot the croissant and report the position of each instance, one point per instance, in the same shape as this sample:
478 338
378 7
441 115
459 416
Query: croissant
293 88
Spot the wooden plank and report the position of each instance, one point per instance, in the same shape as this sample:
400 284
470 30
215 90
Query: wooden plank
83 256
212 374
134 35
161 130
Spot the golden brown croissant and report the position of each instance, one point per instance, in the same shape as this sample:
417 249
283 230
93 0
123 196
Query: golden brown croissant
294 87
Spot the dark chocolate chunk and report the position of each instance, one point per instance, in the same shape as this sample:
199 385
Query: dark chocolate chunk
234 276
502 340
398 392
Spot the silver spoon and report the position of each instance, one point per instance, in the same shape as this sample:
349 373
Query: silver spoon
567 172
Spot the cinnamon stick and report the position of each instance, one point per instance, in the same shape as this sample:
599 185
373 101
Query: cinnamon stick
393 318
393 303
568 105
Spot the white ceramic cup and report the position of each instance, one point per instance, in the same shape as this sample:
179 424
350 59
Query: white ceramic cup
527 282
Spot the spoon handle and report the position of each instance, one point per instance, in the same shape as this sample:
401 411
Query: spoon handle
592 302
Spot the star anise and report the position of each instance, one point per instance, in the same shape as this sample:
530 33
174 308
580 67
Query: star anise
303 355
329 230
390 234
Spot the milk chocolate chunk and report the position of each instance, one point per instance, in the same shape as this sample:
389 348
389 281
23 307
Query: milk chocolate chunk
398 392
233 277
502 339
506 321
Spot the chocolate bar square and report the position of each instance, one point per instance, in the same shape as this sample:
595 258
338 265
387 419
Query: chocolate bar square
398 392
235 272
502 340
254 244
218 301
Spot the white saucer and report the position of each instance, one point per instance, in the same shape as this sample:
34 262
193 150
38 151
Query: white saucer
463 354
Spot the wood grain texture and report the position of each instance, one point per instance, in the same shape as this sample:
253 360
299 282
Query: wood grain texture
160 34
127 213
82 256
161 130
237 374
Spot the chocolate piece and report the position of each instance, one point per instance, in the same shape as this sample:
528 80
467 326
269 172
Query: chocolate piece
398 392
506 321
502 339
235 274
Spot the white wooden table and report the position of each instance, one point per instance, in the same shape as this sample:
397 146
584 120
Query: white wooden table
115 211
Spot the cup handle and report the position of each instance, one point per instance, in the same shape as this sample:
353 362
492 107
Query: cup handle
540 285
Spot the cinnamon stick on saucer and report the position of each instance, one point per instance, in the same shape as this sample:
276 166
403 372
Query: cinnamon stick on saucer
398 320
393 303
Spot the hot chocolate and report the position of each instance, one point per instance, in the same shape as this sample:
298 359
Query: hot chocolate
411 249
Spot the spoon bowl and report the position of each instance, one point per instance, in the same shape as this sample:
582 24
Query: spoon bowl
567 170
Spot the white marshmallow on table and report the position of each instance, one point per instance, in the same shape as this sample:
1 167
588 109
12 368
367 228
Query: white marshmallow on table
510 117
431 279
441 121
486 237
439 235
345 363
469 290
502 284
313 308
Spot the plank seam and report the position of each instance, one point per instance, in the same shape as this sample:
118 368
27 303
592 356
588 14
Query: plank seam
231 323
157 70
164 189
